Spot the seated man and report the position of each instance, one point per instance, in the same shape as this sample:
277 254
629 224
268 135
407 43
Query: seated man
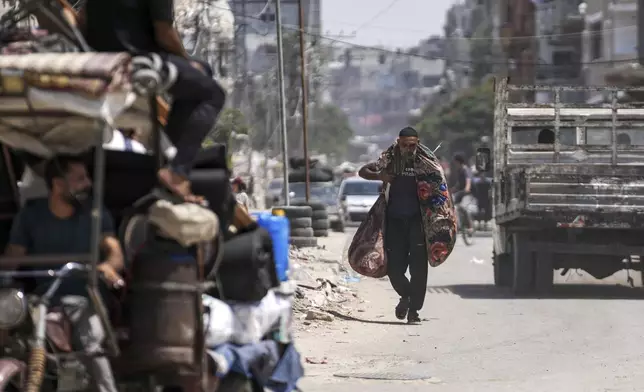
61 224
146 26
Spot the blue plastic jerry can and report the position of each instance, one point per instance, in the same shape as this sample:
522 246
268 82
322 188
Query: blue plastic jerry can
279 229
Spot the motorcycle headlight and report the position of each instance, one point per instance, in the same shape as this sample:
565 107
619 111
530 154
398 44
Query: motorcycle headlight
13 308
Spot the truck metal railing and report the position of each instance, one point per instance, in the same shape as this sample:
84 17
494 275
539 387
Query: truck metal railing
614 116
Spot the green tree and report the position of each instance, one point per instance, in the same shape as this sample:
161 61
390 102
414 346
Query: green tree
329 130
459 124
481 52
230 120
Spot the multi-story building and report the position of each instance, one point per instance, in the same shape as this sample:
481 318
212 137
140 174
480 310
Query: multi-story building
379 88
609 38
256 32
207 30
559 26
517 38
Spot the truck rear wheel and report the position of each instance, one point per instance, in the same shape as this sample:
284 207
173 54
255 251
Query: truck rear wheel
523 277
503 269
544 272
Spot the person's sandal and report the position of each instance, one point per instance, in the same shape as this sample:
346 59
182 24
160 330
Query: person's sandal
178 185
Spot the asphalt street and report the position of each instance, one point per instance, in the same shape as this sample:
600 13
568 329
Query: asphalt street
587 336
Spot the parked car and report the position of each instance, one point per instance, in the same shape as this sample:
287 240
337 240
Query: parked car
357 196
273 193
324 192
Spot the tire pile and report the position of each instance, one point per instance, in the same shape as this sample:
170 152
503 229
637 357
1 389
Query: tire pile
301 224
319 218
317 171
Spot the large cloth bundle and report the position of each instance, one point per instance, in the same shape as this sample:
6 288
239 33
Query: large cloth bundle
367 255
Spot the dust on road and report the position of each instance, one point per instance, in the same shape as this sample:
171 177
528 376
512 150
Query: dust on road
583 338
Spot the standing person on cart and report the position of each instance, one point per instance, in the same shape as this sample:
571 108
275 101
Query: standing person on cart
147 26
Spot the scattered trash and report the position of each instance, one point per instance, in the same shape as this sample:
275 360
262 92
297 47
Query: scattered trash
315 361
317 315
351 279
477 261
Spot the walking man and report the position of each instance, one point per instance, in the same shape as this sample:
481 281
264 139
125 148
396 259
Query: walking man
419 220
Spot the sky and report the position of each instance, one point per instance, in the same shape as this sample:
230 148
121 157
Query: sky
391 23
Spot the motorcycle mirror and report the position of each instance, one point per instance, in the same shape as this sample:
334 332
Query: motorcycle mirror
483 159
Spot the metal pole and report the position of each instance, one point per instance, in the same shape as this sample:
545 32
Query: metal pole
640 31
280 81
305 104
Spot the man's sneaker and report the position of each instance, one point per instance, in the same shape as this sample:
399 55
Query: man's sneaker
413 318
402 308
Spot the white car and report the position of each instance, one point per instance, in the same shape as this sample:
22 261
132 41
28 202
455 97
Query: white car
358 196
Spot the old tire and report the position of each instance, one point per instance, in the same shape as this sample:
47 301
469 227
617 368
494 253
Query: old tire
315 205
337 226
503 269
320 233
302 232
300 223
320 214
292 212
320 224
303 242
544 272
523 263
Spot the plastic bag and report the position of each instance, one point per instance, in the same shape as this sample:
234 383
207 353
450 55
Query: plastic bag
218 321
367 254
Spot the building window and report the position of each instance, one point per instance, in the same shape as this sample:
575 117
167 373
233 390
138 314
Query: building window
625 39
596 41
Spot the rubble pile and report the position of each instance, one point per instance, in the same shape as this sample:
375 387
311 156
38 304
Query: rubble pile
322 284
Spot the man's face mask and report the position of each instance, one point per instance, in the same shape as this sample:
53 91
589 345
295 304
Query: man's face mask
80 196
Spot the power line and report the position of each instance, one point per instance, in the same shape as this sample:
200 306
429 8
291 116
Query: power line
458 61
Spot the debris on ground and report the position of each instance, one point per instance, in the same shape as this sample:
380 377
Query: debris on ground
315 361
322 286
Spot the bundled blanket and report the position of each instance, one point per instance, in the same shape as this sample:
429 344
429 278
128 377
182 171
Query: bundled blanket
367 254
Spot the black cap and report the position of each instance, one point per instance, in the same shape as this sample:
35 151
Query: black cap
408 132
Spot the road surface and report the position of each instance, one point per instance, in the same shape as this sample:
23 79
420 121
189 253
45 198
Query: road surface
586 337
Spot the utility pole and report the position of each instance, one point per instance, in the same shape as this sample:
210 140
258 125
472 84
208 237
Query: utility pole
305 103
282 92
640 31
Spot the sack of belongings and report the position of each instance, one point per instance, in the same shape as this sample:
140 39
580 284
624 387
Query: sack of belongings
367 254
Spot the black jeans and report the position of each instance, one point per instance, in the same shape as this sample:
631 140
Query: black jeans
197 101
405 244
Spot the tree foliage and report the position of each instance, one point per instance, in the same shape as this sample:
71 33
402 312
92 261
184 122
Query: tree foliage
329 130
328 135
230 121
459 124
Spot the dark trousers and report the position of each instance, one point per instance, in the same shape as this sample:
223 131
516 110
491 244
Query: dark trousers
405 243
197 100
